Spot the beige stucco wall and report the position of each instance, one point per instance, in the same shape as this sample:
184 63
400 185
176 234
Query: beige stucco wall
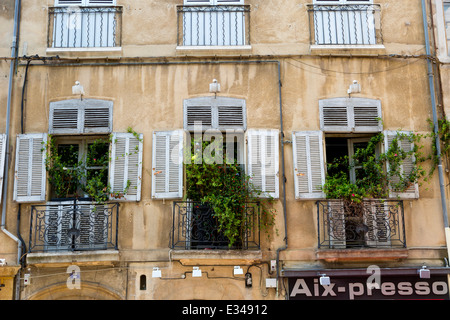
150 98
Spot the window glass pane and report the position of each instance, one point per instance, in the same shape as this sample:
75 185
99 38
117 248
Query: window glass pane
336 150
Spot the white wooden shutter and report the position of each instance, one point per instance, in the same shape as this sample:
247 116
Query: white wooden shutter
126 165
215 113
407 166
30 173
263 161
309 164
2 162
230 114
350 115
167 164
80 116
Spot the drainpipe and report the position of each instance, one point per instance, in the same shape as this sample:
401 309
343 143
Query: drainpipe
14 54
436 126
283 178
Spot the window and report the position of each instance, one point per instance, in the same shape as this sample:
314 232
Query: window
346 124
85 159
226 115
345 22
447 24
213 23
84 24
113 158
337 148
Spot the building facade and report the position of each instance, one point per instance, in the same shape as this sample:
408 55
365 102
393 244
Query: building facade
102 100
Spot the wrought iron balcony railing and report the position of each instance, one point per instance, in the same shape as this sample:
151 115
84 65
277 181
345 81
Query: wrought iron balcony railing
371 223
195 227
84 27
74 226
224 25
356 24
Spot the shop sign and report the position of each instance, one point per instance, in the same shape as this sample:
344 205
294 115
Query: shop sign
358 288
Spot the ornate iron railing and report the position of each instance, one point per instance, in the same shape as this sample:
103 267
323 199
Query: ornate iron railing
357 24
224 25
73 226
195 227
371 223
84 27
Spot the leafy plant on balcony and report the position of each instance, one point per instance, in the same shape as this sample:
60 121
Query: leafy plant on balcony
375 180
225 187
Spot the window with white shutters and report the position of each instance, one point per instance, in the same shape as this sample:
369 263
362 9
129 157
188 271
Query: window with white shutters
2 162
29 173
350 115
167 164
80 116
309 164
214 113
263 160
126 166
412 192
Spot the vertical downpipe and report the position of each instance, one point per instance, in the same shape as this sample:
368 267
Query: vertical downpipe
436 129
14 54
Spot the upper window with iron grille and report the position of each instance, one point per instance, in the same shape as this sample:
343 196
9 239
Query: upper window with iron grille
84 24
345 22
206 23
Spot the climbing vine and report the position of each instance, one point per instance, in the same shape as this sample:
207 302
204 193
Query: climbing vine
225 187
396 169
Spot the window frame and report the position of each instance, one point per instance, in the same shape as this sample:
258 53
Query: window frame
446 6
